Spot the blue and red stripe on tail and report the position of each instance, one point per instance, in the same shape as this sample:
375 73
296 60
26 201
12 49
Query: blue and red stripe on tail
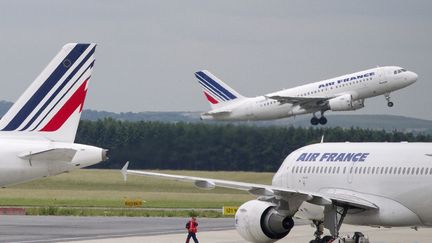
215 90
51 106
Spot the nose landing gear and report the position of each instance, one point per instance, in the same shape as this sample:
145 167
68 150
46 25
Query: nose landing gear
389 103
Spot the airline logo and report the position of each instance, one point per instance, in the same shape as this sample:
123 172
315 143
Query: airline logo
333 157
62 92
213 90
345 80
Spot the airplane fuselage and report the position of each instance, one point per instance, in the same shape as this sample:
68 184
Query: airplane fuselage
397 177
17 169
359 86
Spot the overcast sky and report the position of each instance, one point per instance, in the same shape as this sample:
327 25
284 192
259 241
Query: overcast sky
148 50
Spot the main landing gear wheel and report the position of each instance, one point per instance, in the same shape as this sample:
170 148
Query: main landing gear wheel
314 121
323 120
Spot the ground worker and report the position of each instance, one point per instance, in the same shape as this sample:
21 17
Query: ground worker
192 227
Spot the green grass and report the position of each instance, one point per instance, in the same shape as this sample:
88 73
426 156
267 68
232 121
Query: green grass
106 188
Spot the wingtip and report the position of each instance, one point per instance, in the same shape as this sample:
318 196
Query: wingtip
124 171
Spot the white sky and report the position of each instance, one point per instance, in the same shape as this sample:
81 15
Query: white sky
149 50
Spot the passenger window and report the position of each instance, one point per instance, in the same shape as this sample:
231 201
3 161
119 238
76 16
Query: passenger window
368 170
334 170
403 171
338 168
355 171
344 170
417 171
399 170
426 171
325 170
386 170
421 171
373 170
382 170
390 170
351 170
408 170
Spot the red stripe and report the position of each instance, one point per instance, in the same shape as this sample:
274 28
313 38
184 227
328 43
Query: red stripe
75 101
210 99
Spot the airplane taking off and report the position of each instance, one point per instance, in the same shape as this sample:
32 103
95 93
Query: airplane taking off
343 93
371 184
37 133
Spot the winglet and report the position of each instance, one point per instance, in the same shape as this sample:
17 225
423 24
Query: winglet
124 171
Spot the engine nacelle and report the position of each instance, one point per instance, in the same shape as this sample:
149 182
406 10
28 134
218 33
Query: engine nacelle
260 222
345 103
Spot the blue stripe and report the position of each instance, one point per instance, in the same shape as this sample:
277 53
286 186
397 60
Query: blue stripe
40 94
211 91
209 86
61 98
217 86
65 82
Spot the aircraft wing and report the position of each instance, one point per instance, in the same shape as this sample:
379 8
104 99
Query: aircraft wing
261 190
302 101
55 154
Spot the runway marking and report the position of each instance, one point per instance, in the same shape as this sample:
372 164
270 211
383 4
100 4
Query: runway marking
95 237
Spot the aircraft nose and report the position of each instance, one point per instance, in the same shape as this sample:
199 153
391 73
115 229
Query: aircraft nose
412 77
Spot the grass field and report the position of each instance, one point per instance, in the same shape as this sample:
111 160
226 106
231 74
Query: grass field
106 189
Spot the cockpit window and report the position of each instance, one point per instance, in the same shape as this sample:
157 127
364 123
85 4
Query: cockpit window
399 71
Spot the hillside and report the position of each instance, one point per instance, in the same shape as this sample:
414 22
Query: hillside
378 122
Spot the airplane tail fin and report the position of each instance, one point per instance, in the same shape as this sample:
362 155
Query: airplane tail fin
51 106
215 90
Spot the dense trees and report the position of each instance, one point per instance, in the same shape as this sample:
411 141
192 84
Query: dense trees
200 146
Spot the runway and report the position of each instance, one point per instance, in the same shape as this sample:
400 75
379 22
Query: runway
32 229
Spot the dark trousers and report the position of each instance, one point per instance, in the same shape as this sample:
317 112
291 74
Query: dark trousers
193 237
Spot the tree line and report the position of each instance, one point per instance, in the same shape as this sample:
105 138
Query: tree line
200 146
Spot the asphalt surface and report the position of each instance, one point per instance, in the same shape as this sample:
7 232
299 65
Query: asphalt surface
61 229
28 229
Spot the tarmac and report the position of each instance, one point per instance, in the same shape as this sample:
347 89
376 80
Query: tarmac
300 234
32 229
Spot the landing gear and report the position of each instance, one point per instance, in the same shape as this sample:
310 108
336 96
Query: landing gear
323 120
333 219
389 103
315 120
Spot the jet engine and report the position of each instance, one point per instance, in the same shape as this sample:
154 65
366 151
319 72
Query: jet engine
260 222
345 103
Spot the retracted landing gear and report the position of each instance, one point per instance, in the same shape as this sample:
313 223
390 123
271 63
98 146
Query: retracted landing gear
315 120
389 103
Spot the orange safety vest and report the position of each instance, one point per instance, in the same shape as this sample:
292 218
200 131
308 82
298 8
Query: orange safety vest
192 227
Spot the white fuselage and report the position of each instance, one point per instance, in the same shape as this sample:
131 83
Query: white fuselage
397 177
14 169
359 85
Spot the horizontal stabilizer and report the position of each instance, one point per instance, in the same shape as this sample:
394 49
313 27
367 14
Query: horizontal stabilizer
217 112
56 154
